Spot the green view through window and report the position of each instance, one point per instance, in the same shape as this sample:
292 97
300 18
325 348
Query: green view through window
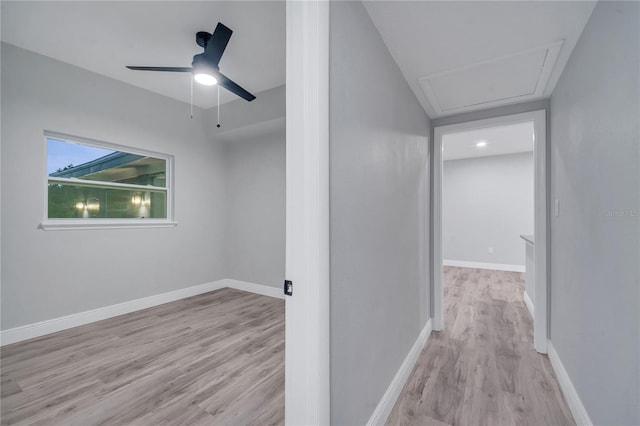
86 181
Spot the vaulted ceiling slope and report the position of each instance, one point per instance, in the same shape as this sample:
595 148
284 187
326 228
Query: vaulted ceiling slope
104 36
460 56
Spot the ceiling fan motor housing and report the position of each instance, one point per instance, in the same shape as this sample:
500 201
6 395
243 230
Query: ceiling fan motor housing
202 38
201 64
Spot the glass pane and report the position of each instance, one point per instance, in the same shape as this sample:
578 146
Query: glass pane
74 160
73 201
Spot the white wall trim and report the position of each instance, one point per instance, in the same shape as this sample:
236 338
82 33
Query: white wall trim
436 231
95 224
388 400
307 355
580 414
529 304
541 231
484 265
264 290
30 331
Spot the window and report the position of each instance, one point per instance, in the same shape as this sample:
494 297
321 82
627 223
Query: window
94 184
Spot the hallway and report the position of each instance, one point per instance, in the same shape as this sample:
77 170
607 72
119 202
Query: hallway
482 369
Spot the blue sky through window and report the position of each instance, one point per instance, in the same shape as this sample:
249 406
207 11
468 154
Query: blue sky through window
60 154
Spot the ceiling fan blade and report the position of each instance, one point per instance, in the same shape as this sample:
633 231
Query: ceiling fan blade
167 69
217 43
234 88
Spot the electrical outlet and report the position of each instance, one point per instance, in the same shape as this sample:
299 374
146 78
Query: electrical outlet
491 250
288 288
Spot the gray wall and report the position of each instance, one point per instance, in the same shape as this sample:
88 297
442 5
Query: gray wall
48 274
255 208
487 202
595 249
253 141
379 185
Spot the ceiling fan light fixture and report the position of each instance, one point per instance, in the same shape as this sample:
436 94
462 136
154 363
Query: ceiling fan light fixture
205 79
204 67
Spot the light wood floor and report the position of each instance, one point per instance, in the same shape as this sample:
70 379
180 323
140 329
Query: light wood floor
212 359
482 369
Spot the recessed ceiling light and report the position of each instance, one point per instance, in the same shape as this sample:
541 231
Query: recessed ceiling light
481 144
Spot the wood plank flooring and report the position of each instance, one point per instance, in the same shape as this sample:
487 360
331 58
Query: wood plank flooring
211 359
482 369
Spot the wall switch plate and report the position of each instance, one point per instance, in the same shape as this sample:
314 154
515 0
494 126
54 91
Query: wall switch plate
491 250
557 208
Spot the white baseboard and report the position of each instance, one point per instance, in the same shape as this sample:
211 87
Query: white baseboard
580 414
528 303
30 331
264 290
483 265
388 400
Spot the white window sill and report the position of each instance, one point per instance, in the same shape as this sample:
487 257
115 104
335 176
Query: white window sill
62 225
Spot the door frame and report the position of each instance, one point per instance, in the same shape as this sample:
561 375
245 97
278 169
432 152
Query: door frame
541 217
307 213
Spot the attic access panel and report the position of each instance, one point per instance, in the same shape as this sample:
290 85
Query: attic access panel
505 80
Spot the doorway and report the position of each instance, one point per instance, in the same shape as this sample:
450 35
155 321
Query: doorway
541 217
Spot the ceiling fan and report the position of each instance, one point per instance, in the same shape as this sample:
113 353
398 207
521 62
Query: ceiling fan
205 67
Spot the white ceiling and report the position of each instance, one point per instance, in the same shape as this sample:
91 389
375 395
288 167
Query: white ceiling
460 56
104 36
456 56
500 140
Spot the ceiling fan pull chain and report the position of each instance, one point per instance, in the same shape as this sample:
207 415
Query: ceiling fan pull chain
191 80
218 106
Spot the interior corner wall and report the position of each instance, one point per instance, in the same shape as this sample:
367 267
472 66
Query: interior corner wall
255 208
49 274
595 241
379 215
268 106
487 202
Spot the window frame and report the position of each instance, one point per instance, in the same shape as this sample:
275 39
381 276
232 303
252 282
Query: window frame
54 224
